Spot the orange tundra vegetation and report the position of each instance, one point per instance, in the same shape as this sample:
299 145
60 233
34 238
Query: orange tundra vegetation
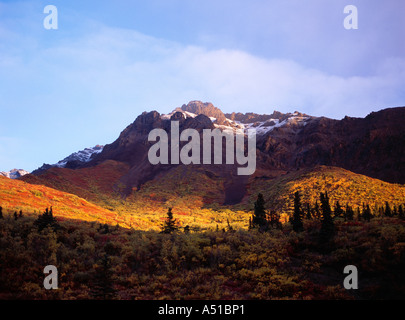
198 198
31 199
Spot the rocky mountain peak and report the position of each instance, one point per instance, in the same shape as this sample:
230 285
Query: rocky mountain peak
207 108
14 174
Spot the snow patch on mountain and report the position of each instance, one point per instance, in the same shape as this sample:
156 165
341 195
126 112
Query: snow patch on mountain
14 174
84 155
262 127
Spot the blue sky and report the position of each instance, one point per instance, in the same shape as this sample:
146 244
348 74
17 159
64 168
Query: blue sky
82 84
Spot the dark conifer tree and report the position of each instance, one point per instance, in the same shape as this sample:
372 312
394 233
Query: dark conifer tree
327 226
338 210
401 212
259 219
15 215
21 214
349 214
387 212
1 212
297 215
367 213
358 214
170 225
46 220
381 211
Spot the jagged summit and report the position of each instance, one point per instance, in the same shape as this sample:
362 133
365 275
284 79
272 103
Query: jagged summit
208 109
263 123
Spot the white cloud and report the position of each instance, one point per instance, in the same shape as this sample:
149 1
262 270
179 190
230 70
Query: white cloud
87 89
134 70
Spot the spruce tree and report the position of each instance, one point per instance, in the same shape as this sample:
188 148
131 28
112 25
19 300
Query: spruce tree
1 212
170 225
327 226
259 219
358 214
367 213
394 211
338 210
349 214
46 220
297 215
401 212
387 212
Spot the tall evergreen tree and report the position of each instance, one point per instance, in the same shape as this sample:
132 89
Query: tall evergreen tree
297 215
259 219
1 212
367 213
387 212
394 211
327 226
401 212
170 225
349 214
338 210
358 214
46 220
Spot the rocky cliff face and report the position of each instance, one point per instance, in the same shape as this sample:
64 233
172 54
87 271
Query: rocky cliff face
208 109
373 146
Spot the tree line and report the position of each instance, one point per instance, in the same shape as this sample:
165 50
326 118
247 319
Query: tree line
264 220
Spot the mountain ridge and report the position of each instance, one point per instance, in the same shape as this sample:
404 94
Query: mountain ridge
370 146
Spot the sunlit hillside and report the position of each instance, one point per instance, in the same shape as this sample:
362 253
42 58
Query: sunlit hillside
16 196
342 185
197 196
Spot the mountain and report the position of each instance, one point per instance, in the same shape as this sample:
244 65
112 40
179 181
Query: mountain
74 160
120 176
14 174
373 146
208 109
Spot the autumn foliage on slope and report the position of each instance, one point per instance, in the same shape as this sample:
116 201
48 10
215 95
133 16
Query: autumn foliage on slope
33 199
93 183
342 185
